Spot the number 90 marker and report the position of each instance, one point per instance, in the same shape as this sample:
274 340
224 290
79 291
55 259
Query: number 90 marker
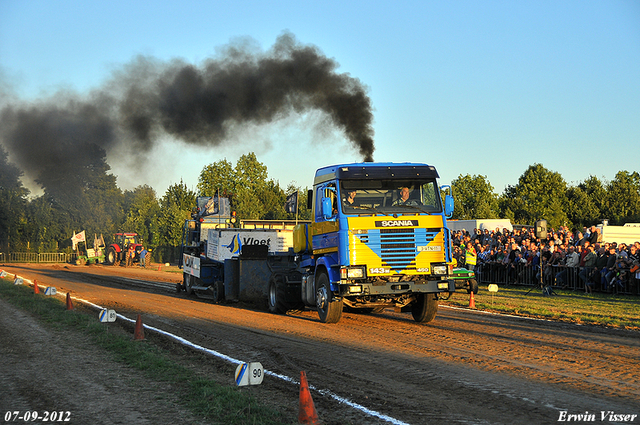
249 374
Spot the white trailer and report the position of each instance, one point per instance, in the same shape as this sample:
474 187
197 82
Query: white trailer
627 234
485 223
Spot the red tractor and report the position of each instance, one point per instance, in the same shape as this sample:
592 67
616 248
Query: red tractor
117 251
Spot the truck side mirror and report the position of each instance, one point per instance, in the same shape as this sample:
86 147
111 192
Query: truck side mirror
310 199
327 208
448 206
448 200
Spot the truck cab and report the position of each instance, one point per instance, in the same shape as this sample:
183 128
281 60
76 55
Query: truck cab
379 239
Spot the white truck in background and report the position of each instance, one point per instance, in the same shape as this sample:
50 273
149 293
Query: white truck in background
485 223
627 234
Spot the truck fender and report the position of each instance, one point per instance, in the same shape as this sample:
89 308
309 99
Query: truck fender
329 266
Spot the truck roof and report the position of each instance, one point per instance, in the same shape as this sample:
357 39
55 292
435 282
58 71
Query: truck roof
382 170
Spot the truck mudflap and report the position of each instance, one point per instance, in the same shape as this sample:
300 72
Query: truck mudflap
397 288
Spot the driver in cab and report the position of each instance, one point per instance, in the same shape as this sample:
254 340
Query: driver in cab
349 200
404 198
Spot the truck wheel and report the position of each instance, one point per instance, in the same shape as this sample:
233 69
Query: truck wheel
276 301
329 309
424 308
279 299
111 256
218 291
188 283
473 286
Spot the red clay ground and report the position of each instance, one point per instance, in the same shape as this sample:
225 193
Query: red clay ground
464 367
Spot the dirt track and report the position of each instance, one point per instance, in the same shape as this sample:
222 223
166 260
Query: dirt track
464 367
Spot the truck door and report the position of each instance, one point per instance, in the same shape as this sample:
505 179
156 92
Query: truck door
325 226
326 203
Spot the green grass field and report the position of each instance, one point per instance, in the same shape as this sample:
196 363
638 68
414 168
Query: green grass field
618 311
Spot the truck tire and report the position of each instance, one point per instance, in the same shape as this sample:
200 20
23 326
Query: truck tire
329 308
218 291
473 286
276 300
188 283
112 256
424 308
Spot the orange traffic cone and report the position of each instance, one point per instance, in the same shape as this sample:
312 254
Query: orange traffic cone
138 332
36 289
307 413
69 303
472 302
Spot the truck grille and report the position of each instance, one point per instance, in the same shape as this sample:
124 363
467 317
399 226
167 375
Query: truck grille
397 247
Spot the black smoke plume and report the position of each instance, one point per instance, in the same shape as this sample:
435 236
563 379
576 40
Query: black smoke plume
198 104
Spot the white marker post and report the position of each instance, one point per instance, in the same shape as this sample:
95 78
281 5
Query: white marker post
107 316
493 288
249 374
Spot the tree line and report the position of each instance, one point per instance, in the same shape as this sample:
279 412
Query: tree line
90 200
544 194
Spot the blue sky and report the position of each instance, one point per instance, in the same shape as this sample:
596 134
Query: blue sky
472 87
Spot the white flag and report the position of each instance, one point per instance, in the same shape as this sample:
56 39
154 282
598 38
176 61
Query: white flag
77 238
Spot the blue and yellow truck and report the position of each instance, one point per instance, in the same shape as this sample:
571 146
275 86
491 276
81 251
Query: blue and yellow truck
378 239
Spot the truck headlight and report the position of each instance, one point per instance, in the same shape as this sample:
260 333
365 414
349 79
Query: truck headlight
352 272
440 270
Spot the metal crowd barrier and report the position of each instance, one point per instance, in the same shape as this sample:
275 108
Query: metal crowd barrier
35 257
572 278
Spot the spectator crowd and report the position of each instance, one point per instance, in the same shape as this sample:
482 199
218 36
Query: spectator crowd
577 260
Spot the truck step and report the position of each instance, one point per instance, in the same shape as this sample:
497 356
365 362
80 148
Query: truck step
203 292
200 288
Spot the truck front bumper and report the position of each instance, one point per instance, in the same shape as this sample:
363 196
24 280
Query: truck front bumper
396 288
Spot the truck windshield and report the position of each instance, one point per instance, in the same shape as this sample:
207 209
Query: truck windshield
390 196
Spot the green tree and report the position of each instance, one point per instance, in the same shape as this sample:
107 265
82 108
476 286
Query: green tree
579 206
272 198
142 212
13 202
539 194
585 202
622 203
251 187
252 194
175 208
474 198
219 177
106 213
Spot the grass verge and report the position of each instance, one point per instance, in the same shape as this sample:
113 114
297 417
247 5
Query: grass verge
617 311
205 398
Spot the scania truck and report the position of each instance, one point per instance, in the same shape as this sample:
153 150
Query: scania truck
378 239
